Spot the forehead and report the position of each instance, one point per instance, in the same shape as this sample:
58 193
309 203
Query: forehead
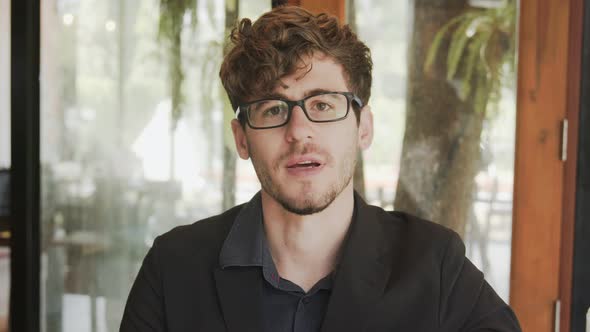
315 72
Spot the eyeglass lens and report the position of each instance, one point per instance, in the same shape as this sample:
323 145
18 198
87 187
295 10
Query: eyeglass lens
320 108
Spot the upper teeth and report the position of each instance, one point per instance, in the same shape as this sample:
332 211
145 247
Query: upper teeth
306 162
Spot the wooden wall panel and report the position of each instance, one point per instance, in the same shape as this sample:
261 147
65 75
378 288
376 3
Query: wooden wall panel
539 173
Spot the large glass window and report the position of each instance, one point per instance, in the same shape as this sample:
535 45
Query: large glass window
134 142
444 102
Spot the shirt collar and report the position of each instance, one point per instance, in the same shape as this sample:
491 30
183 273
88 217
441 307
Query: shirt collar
244 243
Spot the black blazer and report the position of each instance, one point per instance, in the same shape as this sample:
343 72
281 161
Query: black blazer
397 273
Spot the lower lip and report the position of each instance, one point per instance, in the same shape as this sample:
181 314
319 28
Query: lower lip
304 171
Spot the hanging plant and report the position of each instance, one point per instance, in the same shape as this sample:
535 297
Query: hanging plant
170 27
481 49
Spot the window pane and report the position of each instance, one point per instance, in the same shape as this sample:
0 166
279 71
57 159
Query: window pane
4 84
444 136
125 157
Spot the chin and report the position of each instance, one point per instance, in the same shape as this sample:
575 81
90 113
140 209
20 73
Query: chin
305 207
307 201
305 197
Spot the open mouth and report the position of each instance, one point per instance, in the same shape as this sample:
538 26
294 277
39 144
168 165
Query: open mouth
305 164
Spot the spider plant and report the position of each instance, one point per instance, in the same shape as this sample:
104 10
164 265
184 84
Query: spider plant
480 52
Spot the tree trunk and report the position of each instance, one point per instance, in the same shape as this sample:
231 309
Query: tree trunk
440 153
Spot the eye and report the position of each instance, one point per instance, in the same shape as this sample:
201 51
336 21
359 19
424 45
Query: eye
322 106
273 111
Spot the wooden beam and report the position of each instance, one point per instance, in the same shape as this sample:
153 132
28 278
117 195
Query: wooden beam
333 7
542 94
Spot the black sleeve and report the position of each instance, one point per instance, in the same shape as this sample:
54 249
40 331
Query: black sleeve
468 302
144 310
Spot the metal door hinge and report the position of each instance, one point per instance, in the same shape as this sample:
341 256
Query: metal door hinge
557 316
564 129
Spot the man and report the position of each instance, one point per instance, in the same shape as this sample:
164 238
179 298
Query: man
307 253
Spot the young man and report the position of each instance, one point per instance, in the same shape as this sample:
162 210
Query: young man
307 253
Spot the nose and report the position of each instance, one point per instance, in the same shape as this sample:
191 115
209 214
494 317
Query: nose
299 127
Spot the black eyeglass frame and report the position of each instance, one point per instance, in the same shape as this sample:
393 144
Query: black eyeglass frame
350 97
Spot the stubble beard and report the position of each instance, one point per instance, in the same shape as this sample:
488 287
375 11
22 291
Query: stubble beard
309 202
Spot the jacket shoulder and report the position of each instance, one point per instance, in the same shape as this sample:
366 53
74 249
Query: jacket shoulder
426 234
422 244
430 260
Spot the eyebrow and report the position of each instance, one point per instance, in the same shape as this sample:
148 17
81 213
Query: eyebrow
308 93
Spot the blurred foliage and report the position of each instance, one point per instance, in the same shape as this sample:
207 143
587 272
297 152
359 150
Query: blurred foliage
481 48
170 26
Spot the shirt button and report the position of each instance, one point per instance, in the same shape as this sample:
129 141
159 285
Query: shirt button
306 300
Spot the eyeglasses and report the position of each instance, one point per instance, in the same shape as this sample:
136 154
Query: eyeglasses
321 107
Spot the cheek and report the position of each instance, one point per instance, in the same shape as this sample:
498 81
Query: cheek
348 137
342 145
262 152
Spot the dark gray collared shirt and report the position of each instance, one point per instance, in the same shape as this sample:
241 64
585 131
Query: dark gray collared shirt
286 307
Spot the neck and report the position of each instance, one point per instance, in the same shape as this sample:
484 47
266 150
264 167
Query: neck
306 248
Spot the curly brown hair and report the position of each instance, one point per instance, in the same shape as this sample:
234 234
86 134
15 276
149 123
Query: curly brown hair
275 45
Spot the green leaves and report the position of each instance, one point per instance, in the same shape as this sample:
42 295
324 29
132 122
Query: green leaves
459 39
172 14
436 42
479 44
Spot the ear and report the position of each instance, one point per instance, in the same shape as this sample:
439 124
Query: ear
240 139
365 131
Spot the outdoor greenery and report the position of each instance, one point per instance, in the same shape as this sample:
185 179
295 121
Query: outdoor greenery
457 65
480 51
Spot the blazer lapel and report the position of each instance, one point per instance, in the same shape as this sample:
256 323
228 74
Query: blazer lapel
363 273
240 295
